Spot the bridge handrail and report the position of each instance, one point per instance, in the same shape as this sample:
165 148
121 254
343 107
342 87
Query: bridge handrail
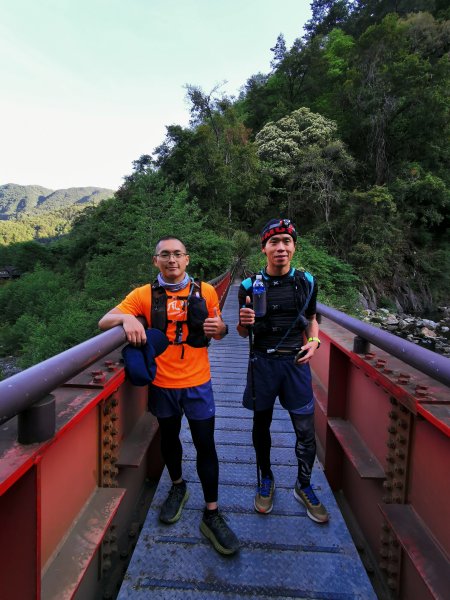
20 391
428 362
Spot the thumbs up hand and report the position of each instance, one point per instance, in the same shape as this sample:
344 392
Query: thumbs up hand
247 314
214 326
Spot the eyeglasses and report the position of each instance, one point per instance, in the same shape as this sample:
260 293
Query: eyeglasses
165 255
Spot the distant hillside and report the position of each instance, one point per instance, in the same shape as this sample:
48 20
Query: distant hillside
18 200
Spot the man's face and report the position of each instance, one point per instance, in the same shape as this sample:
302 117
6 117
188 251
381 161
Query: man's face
172 267
279 250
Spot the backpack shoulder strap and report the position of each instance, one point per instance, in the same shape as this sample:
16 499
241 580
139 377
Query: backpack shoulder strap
303 276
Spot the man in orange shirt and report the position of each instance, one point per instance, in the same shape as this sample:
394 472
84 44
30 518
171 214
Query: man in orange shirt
189 314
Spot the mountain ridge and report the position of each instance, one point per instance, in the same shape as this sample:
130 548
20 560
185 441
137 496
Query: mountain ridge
19 200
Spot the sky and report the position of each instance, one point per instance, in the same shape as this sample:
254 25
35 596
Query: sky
88 86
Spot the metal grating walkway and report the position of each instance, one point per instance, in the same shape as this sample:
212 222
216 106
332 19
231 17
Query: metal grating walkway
284 554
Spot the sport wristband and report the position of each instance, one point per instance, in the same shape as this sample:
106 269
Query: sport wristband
315 339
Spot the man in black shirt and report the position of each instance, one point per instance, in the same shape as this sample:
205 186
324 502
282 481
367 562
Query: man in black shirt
285 340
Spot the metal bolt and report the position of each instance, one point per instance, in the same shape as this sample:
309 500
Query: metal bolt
390 444
387 485
370 355
387 370
399 452
398 484
393 414
392 429
399 470
393 401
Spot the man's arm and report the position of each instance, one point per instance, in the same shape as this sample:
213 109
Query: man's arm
133 328
311 331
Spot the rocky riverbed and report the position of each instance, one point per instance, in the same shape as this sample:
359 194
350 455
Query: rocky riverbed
431 334
8 367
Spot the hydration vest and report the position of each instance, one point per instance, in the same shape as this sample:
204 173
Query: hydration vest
196 311
287 300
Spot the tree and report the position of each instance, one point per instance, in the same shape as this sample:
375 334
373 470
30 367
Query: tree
307 160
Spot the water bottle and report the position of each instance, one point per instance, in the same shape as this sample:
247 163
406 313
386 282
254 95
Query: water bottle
259 297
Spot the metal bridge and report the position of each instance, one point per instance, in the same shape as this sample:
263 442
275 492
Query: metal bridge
80 463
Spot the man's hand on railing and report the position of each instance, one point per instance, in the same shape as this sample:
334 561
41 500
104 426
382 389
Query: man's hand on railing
133 327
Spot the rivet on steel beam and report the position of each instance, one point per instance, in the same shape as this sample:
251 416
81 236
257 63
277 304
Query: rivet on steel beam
385 527
385 539
99 378
384 552
390 444
106 565
421 393
399 452
386 499
393 414
393 556
393 401
390 459
106 426
107 456
389 472
392 583
420 387
399 470
401 439
370 355
383 565
114 402
397 499
380 363
387 485
392 569
398 484
403 409
403 424
114 417
108 363
387 370
106 410
392 429
107 439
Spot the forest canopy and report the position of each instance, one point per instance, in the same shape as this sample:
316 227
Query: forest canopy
347 134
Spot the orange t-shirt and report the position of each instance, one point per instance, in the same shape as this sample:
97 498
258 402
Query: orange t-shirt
173 371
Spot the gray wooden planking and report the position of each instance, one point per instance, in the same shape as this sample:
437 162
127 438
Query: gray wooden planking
284 554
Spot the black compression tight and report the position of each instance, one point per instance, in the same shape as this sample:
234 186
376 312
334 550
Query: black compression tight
262 440
207 463
305 447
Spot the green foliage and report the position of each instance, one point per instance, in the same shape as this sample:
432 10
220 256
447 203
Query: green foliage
338 285
349 134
